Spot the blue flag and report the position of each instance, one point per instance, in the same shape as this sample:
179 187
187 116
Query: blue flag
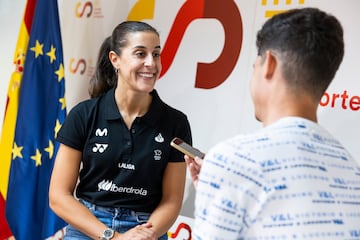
41 112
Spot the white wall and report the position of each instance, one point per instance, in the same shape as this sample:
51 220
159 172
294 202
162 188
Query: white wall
11 12
176 86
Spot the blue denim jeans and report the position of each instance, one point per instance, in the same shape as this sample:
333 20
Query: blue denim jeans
119 219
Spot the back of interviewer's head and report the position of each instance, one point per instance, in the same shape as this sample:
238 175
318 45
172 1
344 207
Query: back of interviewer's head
309 44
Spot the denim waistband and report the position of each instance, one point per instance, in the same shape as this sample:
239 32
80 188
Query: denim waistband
112 210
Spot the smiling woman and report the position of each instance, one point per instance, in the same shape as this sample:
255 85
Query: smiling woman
121 137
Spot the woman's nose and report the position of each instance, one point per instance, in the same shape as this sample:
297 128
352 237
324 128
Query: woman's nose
149 60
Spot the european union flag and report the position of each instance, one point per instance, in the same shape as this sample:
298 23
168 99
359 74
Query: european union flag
41 112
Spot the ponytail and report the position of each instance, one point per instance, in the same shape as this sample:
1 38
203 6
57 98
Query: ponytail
105 76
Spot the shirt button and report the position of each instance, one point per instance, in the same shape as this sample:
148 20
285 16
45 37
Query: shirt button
133 130
129 143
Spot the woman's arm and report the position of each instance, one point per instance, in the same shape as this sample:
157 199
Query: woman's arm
62 201
168 210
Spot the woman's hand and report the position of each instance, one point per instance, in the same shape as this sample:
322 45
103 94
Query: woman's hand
140 232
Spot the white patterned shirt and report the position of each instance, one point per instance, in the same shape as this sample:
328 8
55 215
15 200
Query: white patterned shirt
289 180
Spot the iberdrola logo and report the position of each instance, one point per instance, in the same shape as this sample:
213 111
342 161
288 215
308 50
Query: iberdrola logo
104 185
107 185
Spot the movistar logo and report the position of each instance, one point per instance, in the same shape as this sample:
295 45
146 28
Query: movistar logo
101 133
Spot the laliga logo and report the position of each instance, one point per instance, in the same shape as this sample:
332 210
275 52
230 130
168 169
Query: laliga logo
209 75
178 229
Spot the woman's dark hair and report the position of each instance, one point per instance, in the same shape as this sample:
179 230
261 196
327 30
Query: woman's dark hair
105 76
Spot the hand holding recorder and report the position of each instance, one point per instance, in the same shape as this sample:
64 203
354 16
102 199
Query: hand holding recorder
186 148
193 157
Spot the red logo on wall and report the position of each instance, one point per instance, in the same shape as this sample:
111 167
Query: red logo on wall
208 75
178 229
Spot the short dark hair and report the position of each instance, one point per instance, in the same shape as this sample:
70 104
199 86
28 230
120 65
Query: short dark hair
309 43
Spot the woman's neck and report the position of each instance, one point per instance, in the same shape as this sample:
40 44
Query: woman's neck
132 104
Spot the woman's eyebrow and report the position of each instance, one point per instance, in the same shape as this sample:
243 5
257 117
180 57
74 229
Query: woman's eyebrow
143 47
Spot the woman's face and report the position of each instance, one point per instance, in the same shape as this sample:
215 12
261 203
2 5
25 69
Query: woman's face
139 64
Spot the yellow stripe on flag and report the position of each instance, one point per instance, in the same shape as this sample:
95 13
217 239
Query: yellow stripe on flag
9 123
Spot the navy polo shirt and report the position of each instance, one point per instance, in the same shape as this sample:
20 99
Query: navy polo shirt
123 167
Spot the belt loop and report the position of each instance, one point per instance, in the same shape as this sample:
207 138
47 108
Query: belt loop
116 213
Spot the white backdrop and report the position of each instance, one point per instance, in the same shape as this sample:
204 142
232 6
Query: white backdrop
214 113
225 110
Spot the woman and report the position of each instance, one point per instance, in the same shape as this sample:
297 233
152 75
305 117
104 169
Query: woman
117 144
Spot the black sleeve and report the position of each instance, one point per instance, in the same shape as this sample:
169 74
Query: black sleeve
73 132
183 131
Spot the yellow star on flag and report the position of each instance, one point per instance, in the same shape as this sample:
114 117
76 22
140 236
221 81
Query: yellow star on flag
51 54
16 151
38 49
60 72
50 149
63 103
57 127
37 158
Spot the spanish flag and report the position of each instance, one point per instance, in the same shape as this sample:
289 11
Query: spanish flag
34 113
9 122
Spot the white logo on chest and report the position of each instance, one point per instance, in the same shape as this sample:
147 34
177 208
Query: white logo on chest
101 133
99 147
126 166
157 154
159 138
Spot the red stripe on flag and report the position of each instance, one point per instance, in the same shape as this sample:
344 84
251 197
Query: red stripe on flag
10 113
4 228
29 13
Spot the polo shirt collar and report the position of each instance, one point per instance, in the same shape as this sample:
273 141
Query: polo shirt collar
151 117
155 110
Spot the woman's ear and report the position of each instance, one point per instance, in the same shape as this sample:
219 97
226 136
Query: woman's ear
114 59
270 64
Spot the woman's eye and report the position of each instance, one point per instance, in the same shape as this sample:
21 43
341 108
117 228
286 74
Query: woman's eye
140 54
143 54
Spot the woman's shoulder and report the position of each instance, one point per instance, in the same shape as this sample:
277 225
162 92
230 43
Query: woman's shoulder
167 108
84 105
88 104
